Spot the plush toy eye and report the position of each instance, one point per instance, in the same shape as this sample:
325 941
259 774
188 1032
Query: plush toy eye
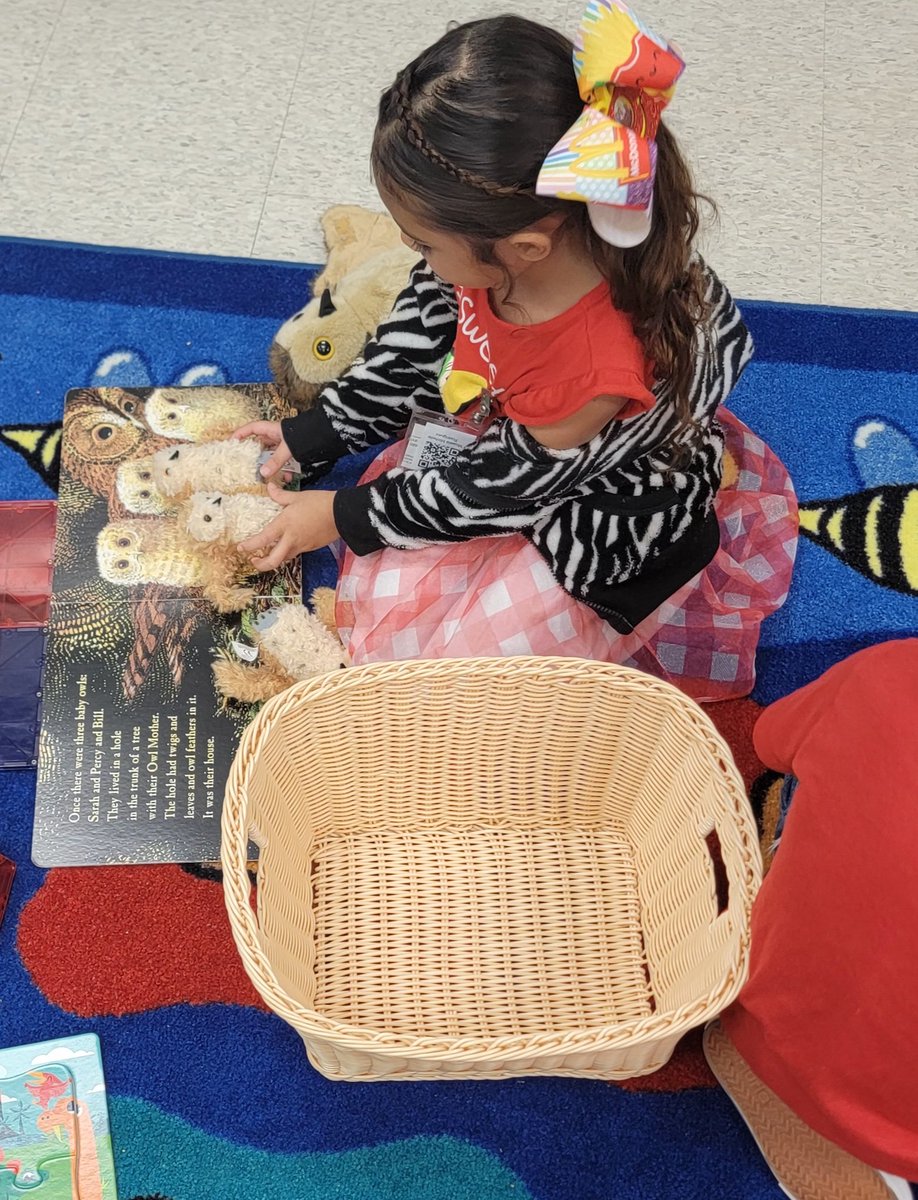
322 349
208 519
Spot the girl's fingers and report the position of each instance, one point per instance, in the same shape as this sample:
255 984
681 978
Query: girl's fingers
279 496
273 560
259 429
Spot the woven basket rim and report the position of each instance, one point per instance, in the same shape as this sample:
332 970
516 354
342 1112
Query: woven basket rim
309 1021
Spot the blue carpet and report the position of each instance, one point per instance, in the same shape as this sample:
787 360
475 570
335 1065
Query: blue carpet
218 1099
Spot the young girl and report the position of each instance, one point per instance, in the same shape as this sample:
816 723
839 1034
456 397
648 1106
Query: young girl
573 506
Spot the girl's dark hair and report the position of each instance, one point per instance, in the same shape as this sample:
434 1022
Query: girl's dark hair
461 136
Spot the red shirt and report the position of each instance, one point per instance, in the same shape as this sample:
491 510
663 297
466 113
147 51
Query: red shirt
542 373
829 1016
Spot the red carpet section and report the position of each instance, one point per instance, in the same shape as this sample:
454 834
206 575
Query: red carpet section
88 936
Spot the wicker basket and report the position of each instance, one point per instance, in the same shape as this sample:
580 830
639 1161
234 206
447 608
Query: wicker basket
489 867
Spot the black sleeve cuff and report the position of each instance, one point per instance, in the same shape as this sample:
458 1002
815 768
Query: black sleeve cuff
351 508
311 437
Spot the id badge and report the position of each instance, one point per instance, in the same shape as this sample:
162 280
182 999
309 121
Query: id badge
436 439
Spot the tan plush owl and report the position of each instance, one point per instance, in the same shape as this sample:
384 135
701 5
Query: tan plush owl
293 644
226 466
367 268
227 519
321 341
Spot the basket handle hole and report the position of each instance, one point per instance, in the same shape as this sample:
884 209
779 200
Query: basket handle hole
255 851
721 882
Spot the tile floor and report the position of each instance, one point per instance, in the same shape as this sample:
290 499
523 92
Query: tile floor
222 127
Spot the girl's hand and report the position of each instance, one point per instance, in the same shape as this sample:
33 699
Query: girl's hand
271 436
306 523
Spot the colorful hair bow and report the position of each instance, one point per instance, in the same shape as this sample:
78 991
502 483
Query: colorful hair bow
626 76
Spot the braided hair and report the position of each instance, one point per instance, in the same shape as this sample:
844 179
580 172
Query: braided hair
415 134
461 137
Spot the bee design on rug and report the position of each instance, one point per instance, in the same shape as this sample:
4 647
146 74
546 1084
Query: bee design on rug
875 530
40 446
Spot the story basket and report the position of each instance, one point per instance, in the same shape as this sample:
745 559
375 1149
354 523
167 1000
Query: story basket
489 867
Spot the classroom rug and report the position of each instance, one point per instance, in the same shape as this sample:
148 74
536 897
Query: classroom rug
209 1094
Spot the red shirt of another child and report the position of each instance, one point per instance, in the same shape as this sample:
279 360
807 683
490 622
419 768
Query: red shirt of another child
829 1016
543 373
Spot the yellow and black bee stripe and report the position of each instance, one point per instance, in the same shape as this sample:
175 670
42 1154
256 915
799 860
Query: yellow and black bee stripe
874 531
39 445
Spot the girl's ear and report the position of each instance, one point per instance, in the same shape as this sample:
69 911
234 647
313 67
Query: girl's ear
536 242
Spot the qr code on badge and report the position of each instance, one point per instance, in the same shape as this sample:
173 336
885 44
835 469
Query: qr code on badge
436 455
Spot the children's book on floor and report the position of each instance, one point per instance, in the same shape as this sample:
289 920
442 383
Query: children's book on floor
135 743
55 1142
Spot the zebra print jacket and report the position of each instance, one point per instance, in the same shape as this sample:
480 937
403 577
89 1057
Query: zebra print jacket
619 529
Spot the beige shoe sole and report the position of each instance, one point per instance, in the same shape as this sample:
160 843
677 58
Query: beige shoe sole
805 1164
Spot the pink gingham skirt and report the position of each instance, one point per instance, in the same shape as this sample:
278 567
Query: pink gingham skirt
496 595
